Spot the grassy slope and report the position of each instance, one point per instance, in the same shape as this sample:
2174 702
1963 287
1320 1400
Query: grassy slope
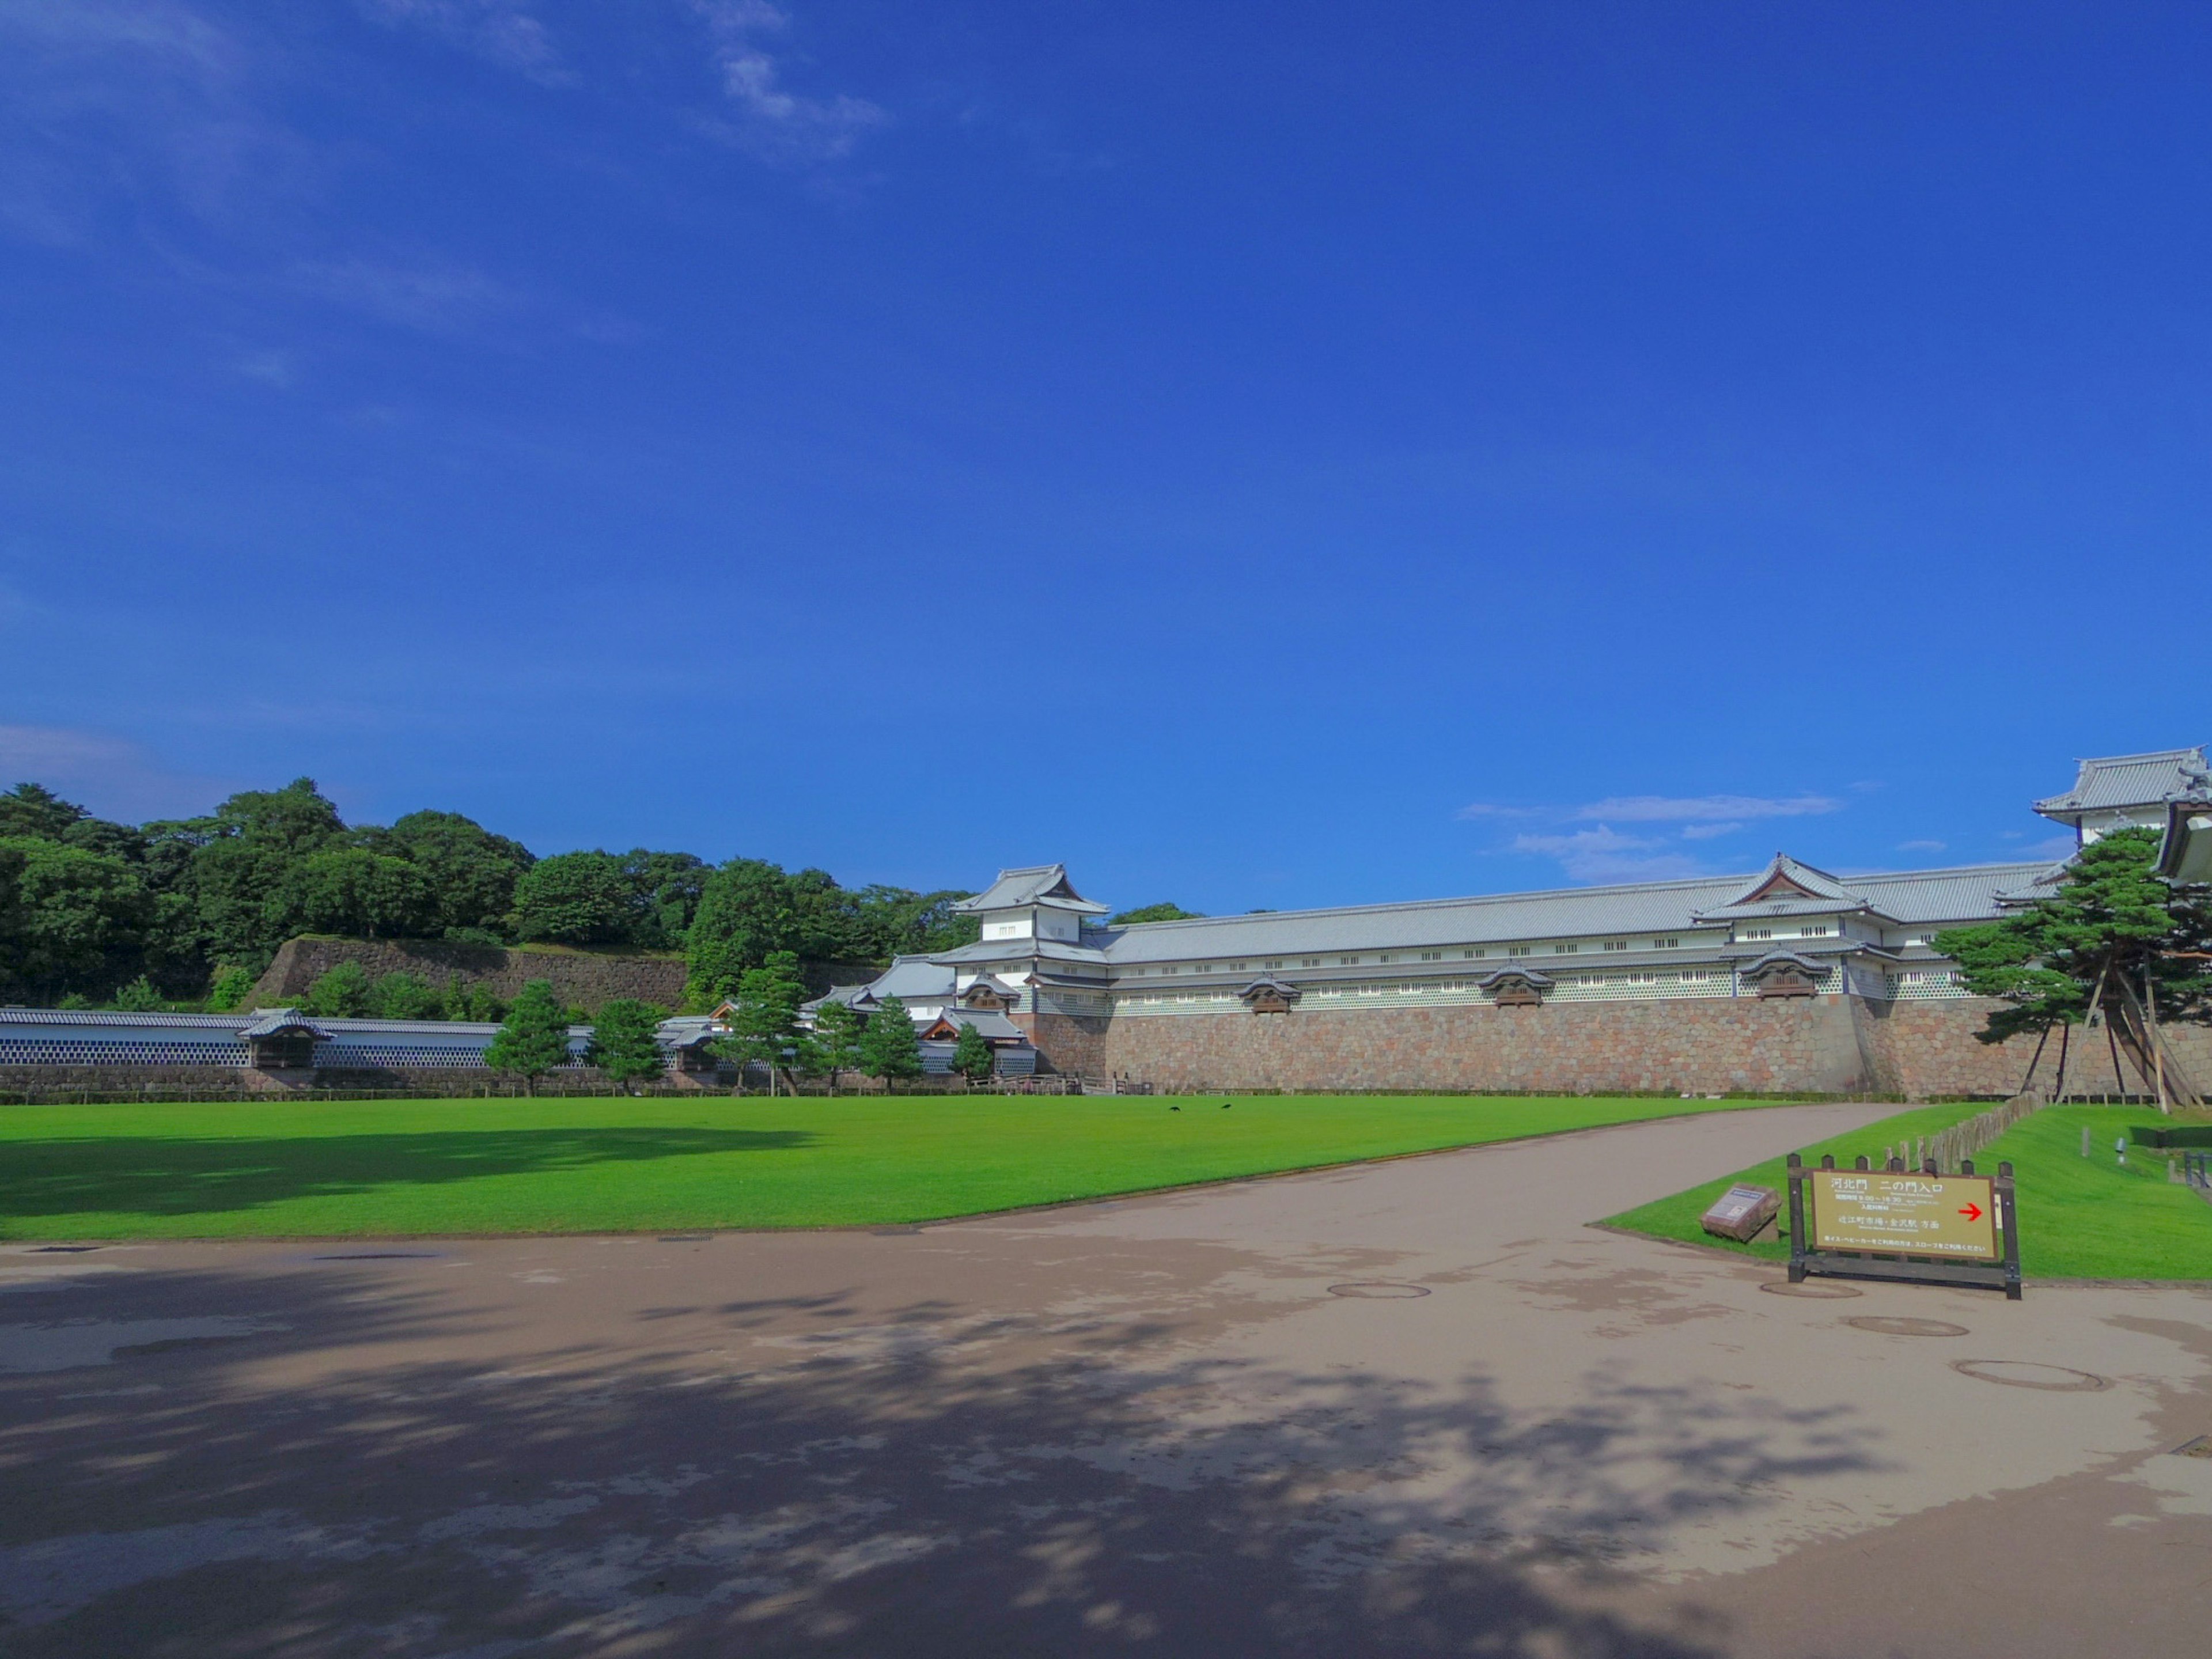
2080 1218
301 1169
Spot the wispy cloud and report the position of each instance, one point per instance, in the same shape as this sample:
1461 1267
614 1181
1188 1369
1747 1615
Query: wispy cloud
432 295
1606 854
771 121
1689 809
269 367
1653 851
500 32
1920 845
114 776
146 99
1483 809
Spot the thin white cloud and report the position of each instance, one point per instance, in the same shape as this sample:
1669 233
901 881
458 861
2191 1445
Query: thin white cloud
1707 831
144 97
771 121
433 296
1606 854
269 367
1683 809
113 776
1920 846
500 32
1487 810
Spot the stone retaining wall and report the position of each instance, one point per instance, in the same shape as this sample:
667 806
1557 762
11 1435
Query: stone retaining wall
1826 1045
580 978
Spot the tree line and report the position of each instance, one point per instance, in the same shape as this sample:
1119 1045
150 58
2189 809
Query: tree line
192 910
765 1029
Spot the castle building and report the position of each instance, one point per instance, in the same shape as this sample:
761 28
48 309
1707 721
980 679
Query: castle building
1682 984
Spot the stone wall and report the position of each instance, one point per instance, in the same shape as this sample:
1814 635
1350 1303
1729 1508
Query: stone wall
1075 1045
216 1081
580 978
232 1082
1828 1045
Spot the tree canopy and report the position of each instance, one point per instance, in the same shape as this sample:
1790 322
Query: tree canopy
2111 939
890 1047
88 906
534 1037
1163 911
623 1043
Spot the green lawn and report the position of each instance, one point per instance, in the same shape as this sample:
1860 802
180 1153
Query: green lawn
299 1169
2079 1218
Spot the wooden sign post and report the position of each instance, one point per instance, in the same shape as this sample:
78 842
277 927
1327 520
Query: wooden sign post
1912 1224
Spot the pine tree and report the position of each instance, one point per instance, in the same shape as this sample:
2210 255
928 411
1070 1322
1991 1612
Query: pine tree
838 1039
2111 939
624 1043
889 1047
534 1038
764 1022
971 1055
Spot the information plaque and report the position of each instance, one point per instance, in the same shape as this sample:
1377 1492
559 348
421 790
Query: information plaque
1952 1216
1900 1223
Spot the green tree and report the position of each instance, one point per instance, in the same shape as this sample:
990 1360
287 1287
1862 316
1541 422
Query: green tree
2111 939
971 1055
624 1042
32 809
764 1017
230 990
340 993
664 892
1163 911
471 873
403 996
899 922
78 917
746 911
838 1039
574 898
477 1002
351 891
889 1048
245 851
140 996
534 1037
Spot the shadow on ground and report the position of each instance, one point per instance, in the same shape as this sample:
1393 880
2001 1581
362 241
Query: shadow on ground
164 1175
913 1483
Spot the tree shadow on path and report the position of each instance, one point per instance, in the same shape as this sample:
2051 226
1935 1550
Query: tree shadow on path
869 1498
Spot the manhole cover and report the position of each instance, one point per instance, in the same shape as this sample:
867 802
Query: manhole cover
1379 1289
1888 1326
2026 1374
1811 1287
2200 1447
382 1255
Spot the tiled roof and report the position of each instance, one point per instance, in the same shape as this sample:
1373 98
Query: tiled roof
1028 885
2119 780
1663 906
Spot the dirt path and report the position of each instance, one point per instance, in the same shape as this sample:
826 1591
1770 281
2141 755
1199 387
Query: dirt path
1416 1407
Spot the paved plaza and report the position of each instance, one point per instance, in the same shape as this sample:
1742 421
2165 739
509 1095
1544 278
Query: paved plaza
1418 1406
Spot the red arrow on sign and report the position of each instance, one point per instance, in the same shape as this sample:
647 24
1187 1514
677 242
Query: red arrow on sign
1972 1212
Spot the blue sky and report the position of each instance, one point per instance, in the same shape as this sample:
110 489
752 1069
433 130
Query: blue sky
1263 455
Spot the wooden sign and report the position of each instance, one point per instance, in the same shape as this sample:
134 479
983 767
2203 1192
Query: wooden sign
1894 1222
1741 1211
1912 1215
